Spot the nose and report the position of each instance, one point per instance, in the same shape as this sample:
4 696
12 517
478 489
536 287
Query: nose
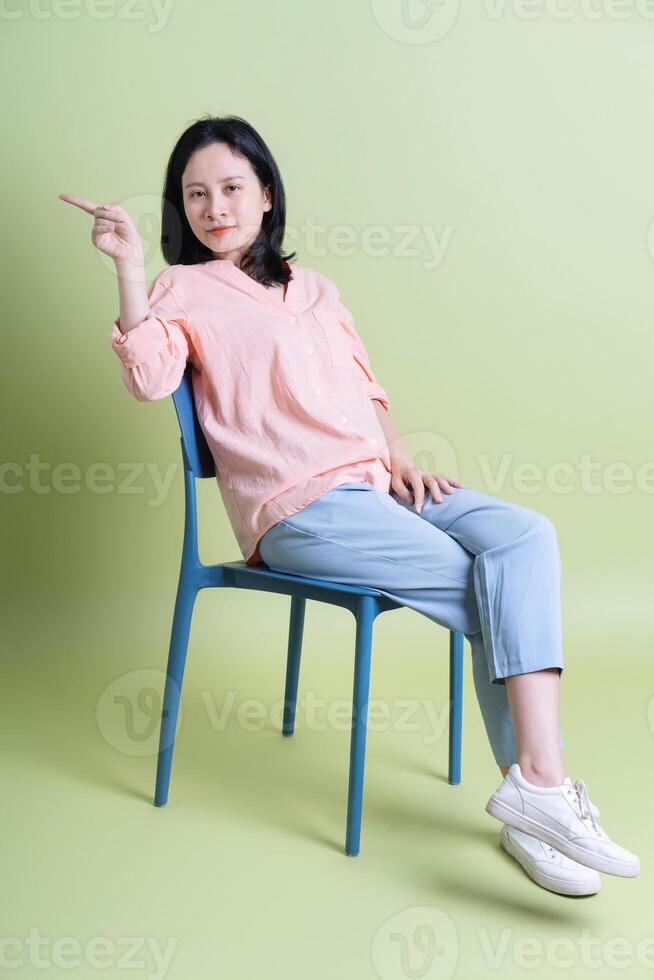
215 208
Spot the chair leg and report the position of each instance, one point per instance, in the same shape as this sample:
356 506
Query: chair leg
295 632
456 705
365 617
186 593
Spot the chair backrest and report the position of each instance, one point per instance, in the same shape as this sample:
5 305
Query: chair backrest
197 455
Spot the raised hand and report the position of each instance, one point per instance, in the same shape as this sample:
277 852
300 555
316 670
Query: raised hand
113 230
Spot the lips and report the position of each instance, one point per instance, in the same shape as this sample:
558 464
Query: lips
221 230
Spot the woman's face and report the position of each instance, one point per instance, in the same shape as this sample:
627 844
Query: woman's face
221 189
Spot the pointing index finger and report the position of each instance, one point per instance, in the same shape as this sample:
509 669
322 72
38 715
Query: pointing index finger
79 202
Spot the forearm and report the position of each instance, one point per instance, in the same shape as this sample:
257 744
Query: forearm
134 304
395 447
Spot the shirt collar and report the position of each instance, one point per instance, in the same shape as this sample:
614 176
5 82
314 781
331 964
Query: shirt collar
226 270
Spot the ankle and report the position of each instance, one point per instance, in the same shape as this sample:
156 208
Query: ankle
541 773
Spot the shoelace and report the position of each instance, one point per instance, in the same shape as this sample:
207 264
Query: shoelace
586 808
587 812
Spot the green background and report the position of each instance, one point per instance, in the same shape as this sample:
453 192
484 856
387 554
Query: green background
524 144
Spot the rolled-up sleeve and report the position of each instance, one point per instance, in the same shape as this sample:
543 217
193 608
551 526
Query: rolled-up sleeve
360 355
153 354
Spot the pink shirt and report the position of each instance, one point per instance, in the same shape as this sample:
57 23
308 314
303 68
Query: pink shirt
283 387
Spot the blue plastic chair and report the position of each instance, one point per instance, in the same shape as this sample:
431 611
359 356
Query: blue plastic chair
366 604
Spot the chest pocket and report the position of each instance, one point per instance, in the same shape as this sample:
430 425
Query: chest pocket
340 352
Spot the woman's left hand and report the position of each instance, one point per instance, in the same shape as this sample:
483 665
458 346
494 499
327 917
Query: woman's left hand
405 474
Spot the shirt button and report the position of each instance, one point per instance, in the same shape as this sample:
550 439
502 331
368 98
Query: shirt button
309 351
373 442
293 319
344 418
318 391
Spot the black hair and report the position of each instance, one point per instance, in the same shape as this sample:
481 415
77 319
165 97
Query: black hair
264 261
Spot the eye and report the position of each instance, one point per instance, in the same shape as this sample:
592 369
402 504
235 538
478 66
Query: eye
235 186
195 192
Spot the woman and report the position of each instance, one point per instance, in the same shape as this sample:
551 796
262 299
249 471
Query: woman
315 479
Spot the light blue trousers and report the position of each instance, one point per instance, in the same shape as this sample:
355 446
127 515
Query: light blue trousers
474 563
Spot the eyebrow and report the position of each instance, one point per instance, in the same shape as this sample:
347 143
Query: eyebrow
198 183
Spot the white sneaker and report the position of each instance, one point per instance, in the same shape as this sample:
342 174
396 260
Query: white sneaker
547 866
563 817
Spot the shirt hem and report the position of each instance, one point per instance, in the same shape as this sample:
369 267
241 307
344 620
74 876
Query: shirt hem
269 519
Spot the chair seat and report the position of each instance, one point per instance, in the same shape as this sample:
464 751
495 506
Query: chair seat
254 576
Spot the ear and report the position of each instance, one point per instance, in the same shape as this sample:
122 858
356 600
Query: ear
267 199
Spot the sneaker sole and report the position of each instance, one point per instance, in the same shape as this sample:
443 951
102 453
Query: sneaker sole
544 880
598 862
